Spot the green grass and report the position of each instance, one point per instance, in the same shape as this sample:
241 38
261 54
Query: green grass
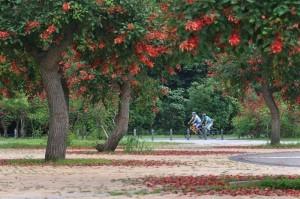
41 143
67 162
32 143
283 183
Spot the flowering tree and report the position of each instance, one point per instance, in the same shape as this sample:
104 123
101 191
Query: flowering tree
256 44
102 35
117 59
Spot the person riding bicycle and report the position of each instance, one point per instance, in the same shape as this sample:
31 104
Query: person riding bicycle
207 122
195 120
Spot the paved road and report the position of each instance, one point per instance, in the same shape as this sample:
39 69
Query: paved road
218 142
291 159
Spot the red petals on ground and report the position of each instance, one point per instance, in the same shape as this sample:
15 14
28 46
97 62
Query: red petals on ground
216 185
89 162
162 152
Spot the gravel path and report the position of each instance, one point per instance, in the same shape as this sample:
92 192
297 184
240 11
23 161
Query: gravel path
50 182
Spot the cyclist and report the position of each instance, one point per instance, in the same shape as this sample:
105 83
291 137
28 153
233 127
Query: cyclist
195 120
207 121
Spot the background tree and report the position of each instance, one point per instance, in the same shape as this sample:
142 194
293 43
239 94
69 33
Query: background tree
255 43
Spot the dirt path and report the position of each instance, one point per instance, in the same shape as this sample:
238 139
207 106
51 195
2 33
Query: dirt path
50 182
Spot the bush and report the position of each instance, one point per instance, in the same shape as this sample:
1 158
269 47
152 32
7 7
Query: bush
134 144
257 123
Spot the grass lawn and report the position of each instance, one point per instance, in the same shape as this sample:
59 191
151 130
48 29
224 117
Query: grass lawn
41 143
20 143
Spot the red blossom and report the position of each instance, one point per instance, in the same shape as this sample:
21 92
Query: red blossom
105 69
233 19
298 100
134 83
4 35
164 7
156 35
134 69
194 25
190 1
31 25
2 59
234 39
48 32
101 45
171 71
66 6
190 44
277 45
145 60
119 39
155 110
130 26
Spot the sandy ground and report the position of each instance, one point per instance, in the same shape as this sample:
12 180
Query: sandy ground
48 182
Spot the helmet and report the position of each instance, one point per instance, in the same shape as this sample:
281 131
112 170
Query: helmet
193 113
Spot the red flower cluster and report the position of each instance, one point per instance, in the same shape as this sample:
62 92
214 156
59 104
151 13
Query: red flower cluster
156 35
198 24
153 51
66 6
234 39
101 45
2 59
134 69
119 39
145 60
190 44
164 7
86 76
31 25
277 45
4 35
105 69
155 109
190 1
171 71
233 19
48 32
298 100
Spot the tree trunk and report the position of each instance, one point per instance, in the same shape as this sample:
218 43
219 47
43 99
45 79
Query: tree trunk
22 126
275 114
122 120
4 127
59 119
58 109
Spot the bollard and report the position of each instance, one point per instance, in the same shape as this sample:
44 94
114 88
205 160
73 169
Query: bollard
152 134
222 134
171 134
134 132
188 135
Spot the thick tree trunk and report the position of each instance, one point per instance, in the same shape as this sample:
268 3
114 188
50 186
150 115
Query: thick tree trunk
58 109
59 119
275 114
122 120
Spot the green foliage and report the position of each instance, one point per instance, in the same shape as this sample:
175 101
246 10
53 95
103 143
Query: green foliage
172 111
144 100
257 123
38 117
208 98
134 144
282 183
91 120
